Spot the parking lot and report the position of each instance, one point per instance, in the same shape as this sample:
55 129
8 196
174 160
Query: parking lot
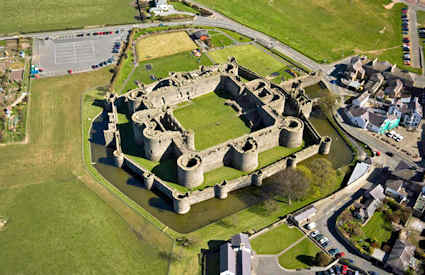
77 53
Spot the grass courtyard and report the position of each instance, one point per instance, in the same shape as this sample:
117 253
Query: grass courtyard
250 56
300 256
35 16
275 240
325 30
165 44
211 120
160 67
58 220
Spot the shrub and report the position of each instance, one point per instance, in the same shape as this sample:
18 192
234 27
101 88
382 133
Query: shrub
322 259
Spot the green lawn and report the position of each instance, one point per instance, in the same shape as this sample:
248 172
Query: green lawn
299 256
420 17
378 228
250 56
162 66
59 222
34 16
323 30
315 91
64 228
220 40
275 240
211 120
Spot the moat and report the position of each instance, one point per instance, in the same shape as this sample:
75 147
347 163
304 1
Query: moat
162 208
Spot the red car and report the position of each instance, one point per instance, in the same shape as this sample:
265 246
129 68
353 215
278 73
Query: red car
340 255
70 71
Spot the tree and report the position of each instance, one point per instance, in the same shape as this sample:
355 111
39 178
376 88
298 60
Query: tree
323 171
292 184
322 259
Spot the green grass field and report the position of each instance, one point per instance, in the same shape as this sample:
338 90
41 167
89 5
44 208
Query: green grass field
211 120
325 30
162 66
299 256
34 16
378 228
220 40
420 17
57 224
275 240
250 56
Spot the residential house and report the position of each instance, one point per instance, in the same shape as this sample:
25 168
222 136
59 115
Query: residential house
401 257
358 116
412 114
381 123
369 203
394 88
375 82
419 207
394 188
235 257
161 7
362 100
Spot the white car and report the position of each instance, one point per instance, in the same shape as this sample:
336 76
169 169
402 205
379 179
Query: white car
323 240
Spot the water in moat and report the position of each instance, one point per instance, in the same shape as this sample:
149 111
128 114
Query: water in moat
211 210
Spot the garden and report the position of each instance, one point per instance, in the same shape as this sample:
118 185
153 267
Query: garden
378 231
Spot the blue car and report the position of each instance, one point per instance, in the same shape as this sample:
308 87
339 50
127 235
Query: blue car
333 251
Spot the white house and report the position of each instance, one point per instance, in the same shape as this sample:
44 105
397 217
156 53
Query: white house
161 7
358 116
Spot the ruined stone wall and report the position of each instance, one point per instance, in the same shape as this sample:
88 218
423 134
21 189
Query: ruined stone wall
173 95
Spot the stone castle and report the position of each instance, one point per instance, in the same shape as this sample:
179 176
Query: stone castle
275 115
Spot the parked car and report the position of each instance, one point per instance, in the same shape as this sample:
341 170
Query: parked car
333 251
318 237
340 255
310 226
314 233
390 154
70 71
373 272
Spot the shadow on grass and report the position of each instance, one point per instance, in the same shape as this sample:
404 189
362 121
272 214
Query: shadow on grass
305 259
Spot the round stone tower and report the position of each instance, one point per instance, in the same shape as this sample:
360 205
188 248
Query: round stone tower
291 135
181 204
257 178
155 143
221 191
325 145
245 155
189 170
134 101
118 158
291 161
148 180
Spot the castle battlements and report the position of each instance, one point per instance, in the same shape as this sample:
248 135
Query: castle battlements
258 103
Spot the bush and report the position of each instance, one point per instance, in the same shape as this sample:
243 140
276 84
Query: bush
322 259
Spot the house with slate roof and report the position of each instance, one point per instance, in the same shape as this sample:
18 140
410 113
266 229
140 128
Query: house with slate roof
235 256
401 257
